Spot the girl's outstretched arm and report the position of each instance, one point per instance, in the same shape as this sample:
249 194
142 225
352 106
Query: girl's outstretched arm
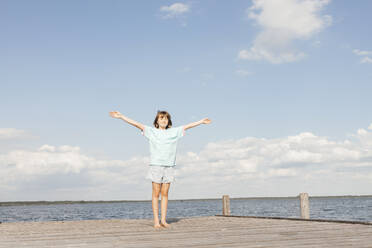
197 123
118 115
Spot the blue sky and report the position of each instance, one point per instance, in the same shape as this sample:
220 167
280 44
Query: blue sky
258 69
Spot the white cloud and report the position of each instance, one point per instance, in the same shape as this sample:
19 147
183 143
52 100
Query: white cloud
174 10
48 160
316 43
365 137
186 69
362 131
362 53
69 148
11 133
282 172
65 169
207 76
47 148
243 73
366 58
281 23
257 163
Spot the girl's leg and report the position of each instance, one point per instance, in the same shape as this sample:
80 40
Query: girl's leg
155 202
164 203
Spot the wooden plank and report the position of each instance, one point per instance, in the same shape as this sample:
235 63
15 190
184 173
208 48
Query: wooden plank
300 219
212 231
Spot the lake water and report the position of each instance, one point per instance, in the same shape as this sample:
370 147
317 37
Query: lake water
335 208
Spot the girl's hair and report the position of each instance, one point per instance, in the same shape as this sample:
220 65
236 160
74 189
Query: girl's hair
162 113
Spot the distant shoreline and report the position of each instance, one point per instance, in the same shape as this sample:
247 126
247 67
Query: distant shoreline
20 203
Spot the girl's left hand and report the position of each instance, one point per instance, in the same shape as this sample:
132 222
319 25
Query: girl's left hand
206 121
115 114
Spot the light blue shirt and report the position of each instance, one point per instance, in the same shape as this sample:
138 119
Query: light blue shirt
163 144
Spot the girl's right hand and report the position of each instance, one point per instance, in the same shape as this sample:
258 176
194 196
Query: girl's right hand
206 121
115 114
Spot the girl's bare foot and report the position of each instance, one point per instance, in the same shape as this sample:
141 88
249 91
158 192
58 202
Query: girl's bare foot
164 224
157 226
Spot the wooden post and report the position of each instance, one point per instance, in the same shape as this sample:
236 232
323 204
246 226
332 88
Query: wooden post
304 204
225 205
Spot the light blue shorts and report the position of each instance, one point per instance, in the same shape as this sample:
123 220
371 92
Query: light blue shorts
161 174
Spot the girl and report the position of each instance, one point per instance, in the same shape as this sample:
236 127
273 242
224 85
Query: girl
163 144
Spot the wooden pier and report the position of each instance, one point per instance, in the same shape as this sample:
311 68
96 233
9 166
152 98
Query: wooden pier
210 231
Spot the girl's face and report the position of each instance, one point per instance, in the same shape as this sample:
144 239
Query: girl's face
162 121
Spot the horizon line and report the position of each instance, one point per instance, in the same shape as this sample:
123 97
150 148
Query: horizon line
44 202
